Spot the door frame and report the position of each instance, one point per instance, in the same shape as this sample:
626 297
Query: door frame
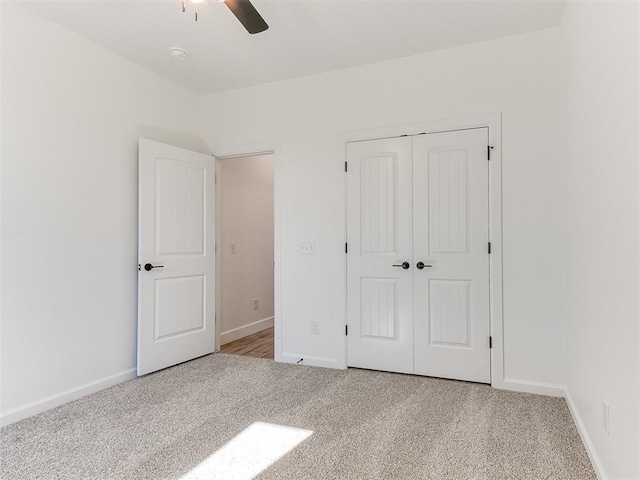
246 150
492 121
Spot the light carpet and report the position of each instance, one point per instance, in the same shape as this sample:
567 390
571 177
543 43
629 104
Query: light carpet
365 425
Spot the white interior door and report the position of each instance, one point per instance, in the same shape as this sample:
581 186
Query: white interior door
380 305
176 242
451 235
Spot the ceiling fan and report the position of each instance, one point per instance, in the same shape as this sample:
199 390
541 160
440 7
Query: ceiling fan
244 11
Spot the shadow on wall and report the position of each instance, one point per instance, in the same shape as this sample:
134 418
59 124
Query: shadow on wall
182 140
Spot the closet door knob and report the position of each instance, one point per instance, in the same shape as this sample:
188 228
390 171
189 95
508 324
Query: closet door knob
421 265
404 265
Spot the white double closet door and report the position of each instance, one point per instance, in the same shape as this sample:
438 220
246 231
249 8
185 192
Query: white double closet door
414 201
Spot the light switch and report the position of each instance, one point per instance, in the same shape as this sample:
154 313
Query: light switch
234 248
307 248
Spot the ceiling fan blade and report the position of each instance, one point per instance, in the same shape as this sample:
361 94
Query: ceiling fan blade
248 15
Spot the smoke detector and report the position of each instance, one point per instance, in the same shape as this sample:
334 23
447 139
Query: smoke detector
178 53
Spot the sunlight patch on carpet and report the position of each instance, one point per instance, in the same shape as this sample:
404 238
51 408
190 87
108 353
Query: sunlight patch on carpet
249 453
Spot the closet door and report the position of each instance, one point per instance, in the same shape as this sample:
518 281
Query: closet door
379 287
451 235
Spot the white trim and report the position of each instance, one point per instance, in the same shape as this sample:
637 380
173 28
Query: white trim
493 122
434 126
245 330
538 388
218 321
53 401
586 440
257 148
310 361
495 261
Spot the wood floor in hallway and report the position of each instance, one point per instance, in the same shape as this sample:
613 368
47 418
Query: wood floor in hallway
257 345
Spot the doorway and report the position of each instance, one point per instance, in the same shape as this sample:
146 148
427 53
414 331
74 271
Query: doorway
418 269
245 253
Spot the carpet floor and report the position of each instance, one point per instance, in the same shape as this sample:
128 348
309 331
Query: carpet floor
223 416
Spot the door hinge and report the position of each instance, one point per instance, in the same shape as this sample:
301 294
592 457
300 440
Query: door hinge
489 248
346 248
490 342
489 148
346 329
345 167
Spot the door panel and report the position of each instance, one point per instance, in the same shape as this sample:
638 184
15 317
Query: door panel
451 234
380 307
379 298
179 306
448 210
449 312
176 301
180 206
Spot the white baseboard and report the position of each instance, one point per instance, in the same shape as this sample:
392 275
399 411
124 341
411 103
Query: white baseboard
47 403
586 440
309 361
538 388
245 330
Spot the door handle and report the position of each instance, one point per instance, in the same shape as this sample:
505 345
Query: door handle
148 267
404 265
421 265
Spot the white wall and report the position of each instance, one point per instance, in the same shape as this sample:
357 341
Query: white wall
601 237
72 115
246 209
519 76
69 195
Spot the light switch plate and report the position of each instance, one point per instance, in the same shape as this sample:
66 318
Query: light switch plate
307 248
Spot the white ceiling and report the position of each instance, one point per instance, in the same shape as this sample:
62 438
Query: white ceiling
305 36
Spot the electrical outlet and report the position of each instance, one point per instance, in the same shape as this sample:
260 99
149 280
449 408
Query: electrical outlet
605 417
256 304
315 328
